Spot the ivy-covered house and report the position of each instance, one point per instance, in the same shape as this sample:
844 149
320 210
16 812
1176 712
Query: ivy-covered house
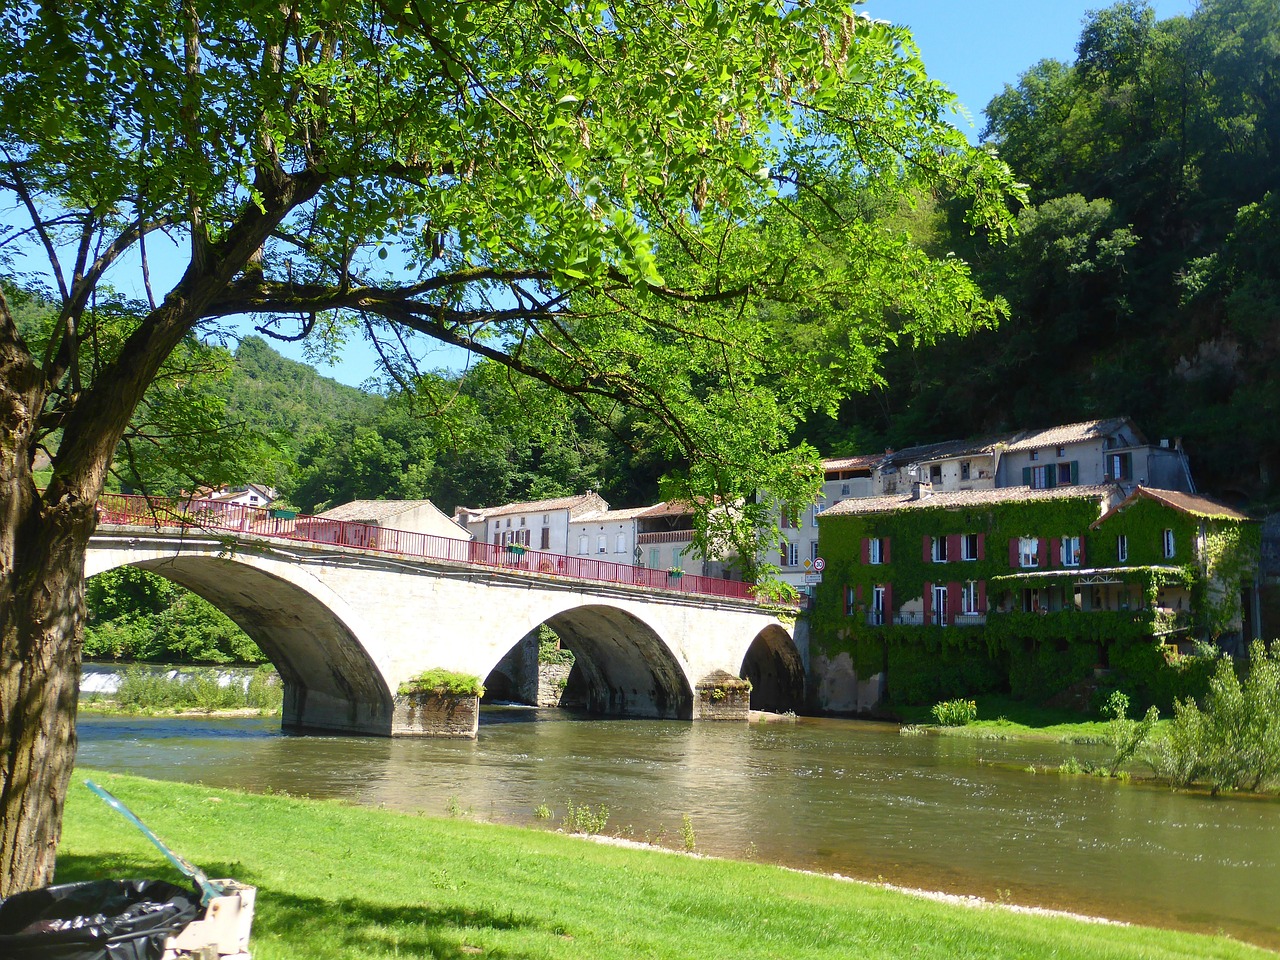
927 596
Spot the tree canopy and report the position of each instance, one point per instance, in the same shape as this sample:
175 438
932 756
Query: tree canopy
602 197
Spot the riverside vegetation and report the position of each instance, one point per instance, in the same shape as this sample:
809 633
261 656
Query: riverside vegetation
339 883
144 690
1228 741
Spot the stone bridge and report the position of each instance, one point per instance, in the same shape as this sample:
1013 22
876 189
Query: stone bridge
346 627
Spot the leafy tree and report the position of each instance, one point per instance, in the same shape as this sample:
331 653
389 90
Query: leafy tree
597 196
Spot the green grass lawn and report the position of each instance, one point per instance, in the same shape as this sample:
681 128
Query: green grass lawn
337 881
1014 719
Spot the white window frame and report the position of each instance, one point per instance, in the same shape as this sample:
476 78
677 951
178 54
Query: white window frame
813 549
1071 551
792 551
938 615
875 550
1122 548
969 597
1170 546
938 549
620 543
602 543
584 544
876 616
965 553
1028 552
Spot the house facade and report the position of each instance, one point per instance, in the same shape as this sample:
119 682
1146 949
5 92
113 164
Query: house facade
1022 590
607 535
536 524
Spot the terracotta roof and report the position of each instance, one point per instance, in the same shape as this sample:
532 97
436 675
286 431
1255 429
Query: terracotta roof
959 499
939 451
377 511
589 501
1071 433
1191 503
862 461
668 508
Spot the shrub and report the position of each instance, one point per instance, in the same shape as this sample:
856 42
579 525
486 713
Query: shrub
1126 736
955 713
443 683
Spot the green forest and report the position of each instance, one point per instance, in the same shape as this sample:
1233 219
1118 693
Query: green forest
1143 280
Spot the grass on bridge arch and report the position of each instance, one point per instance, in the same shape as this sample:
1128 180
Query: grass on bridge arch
339 881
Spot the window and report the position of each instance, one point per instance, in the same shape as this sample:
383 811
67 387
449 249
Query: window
875 550
1029 552
939 550
508 521
938 615
1119 466
602 543
1071 551
813 549
1035 454
969 597
620 545
1040 477
1060 452
546 518
546 538
844 489
850 601
813 520
1064 474
1122 548
522 521
1169 545
655 558
788 518
964 469
969 547
935 473
876 617
582 544
790 554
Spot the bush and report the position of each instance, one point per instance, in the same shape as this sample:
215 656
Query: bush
142 690
1233 743
955 713
1126 736
443 683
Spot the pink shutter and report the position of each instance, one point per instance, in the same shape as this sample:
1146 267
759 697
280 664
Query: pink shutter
866 550
1055 552
884 549
1044 552
953 602
928 600
888 603
1080 555
982 596
928 548
953 547
1013 552
857 593
982 546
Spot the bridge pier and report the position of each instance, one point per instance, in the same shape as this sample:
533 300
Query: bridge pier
722 696
434 714
310 709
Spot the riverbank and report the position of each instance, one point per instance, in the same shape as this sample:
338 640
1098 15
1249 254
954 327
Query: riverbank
338 881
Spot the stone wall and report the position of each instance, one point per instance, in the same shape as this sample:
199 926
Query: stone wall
435 715
722 696
553 679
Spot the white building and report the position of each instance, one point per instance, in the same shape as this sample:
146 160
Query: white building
607 535
536 524
380 524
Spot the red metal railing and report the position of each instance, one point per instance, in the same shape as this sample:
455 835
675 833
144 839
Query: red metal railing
212 515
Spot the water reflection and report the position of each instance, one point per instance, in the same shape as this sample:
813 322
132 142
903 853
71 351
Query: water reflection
831 795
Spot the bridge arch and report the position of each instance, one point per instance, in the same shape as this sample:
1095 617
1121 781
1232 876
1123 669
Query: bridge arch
331 682
776 670
623 666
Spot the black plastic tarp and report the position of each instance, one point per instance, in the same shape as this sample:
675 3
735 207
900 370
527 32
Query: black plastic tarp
95 920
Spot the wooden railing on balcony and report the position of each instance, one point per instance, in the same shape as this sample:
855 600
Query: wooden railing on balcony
219 517
665 536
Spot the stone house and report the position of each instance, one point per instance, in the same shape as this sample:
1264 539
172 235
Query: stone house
541 525
380 524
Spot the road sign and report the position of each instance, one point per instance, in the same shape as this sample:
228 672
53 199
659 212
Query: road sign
808 563
813 578
819 564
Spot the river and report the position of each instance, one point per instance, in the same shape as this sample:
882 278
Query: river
838 796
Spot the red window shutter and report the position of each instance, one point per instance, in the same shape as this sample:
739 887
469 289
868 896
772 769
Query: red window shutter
953 547
928 601
1013 552
866 550
953 601
1080 556
1055 552
982 546
884 551
857 593
928 548
982 596
888 603
1044 552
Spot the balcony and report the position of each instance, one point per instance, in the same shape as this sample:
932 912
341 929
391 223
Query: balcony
665 536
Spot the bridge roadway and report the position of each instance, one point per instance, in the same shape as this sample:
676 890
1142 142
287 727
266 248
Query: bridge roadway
346 626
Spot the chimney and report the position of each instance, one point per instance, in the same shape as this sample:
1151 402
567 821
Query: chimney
921 490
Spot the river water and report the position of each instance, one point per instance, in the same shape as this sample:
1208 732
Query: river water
838 796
